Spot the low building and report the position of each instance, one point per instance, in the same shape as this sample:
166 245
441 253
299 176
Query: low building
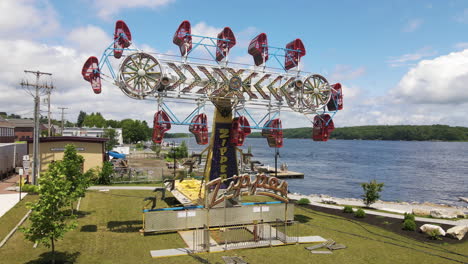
52 149
11 156
7 131
54 129
24 128
91 132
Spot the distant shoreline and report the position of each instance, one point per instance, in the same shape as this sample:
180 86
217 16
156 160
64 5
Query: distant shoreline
430 133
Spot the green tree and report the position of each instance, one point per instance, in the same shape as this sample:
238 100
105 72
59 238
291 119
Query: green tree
134 131
111 134
179 152
81 119
49 222
372 191
113 123
73 171
156 148
94 120
104 177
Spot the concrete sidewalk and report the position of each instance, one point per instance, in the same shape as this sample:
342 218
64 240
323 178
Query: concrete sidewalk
8 199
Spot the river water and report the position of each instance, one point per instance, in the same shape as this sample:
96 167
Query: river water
411 171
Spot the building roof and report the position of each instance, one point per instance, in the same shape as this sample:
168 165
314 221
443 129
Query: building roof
88 128
77 139
21 122
6 124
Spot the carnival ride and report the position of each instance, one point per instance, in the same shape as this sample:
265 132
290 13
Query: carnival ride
239 93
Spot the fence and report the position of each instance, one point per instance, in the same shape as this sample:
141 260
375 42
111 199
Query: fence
244 236
129 175
142 155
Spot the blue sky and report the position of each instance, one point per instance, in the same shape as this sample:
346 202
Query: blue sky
381 51
365 34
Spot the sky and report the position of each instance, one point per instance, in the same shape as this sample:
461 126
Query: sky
400 62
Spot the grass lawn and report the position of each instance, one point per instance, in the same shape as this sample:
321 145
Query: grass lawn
12 217
108 233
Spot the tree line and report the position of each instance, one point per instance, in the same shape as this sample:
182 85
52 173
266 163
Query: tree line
399 132
132 130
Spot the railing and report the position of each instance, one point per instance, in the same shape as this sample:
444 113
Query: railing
129 175
245 236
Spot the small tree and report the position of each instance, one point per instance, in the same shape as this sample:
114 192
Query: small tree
49 222
156 148
104 177
73 170
371 192
111 134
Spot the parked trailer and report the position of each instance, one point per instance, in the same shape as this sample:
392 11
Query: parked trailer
7 157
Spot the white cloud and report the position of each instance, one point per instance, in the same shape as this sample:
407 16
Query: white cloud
89 39
346 72
462 17
108 8
406 59
439 81
412 25
27 19
203 29
461 45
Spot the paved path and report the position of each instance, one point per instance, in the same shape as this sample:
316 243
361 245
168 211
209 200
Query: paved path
9 182
8 199
392 207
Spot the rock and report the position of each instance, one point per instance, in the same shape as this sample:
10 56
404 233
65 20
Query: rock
428 228
328 201
439 213
460 214
458 232
463 199
421 212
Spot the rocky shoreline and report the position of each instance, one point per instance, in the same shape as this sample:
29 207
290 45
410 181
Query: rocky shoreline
421 209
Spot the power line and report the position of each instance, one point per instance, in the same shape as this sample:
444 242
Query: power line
35 91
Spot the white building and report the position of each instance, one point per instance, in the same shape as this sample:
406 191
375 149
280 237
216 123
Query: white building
91 132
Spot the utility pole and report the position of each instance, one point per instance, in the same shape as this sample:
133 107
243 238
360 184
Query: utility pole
48 108
36 95
63 109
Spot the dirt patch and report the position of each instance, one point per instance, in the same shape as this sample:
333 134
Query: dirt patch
390 224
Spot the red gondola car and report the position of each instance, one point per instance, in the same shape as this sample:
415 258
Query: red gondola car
224 46
258 48
240 129
294 53
181 38
323 127
161 124
199 128
122 38
91 73
336 101
273 131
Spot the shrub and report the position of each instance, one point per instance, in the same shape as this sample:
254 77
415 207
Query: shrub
360 213
409 217
303 201
348 209
434 234
32 189
409 225
372 191
104 176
